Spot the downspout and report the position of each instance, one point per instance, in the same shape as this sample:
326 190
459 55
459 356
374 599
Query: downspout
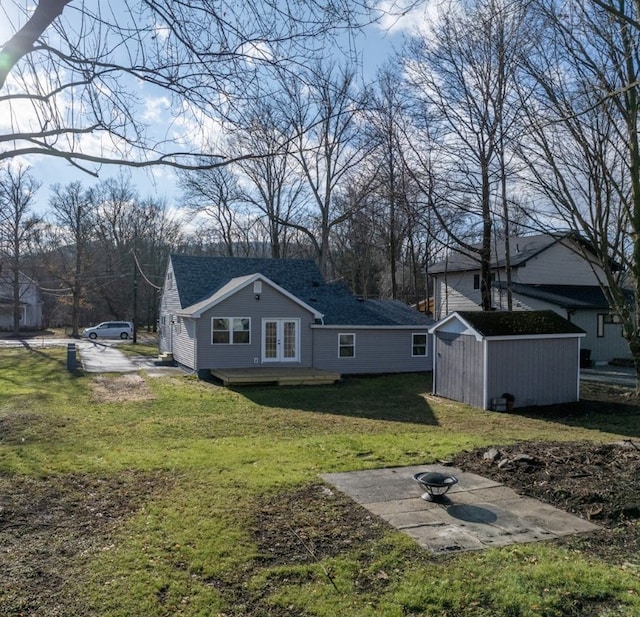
446 287
195 346
433 363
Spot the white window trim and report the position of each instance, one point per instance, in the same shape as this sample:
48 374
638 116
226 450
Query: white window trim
607 319
426 345
353 335
230 330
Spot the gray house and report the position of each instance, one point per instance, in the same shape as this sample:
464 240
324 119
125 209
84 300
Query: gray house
532 357
220 313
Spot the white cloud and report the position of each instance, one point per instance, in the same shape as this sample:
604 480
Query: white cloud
161 31
154 109
409 16
399 16
195 129
255 52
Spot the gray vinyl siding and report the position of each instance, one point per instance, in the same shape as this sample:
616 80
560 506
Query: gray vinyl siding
175 335
603 349
272 304
182 332
559 265
377 350
534 371
459 368
455 292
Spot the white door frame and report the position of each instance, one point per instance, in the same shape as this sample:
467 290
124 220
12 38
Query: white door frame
280 348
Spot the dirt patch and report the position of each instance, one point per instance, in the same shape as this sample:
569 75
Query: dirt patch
302 527
599 482
310 524
25 427
120 388
50 527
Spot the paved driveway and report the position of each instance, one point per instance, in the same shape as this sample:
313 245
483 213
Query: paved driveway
613 375
98 357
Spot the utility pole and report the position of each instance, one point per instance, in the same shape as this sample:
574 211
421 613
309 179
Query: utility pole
135 286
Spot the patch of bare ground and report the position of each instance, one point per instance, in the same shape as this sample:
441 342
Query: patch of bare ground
51 527
303 527
122 388
599 482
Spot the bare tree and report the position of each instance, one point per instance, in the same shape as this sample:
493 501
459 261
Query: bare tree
70 75
73 238
215 199
324 110
462 70
156 233
398 211
584 148
19 227
272 186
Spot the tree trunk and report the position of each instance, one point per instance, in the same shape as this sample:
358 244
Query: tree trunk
485 251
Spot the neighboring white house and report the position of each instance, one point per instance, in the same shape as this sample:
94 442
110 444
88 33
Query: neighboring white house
30 302
548 272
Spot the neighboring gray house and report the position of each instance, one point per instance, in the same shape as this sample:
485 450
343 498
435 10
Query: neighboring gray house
548 272
533 356
30 302
243 313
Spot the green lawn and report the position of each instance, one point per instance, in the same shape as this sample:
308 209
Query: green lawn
183 473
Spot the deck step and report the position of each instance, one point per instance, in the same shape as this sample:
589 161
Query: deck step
277 376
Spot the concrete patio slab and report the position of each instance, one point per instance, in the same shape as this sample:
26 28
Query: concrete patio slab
477 512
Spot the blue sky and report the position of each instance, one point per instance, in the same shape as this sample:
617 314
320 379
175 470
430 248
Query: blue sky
375 44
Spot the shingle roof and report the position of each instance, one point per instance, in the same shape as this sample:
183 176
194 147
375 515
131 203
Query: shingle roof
565 296
198 277
503 323
521 250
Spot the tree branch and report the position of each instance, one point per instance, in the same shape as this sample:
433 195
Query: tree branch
21 43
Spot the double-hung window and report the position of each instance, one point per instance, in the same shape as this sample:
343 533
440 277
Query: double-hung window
346 345
231 330
476 280
419 345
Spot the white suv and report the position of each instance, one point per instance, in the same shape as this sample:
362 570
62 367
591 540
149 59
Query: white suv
110 329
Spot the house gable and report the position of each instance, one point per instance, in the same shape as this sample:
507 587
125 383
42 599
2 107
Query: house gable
234 286
200 280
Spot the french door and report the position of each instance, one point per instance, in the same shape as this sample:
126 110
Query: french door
280 340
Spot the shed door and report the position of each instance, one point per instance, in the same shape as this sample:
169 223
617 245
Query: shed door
459 368
280 340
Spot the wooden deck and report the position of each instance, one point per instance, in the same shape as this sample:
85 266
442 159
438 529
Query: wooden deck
282 376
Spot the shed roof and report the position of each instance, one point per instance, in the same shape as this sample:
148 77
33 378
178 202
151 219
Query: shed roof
198 278
518 323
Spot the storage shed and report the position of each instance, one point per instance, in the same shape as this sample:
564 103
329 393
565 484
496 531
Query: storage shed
528 357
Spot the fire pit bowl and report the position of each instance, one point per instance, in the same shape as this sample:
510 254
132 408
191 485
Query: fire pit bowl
436 484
